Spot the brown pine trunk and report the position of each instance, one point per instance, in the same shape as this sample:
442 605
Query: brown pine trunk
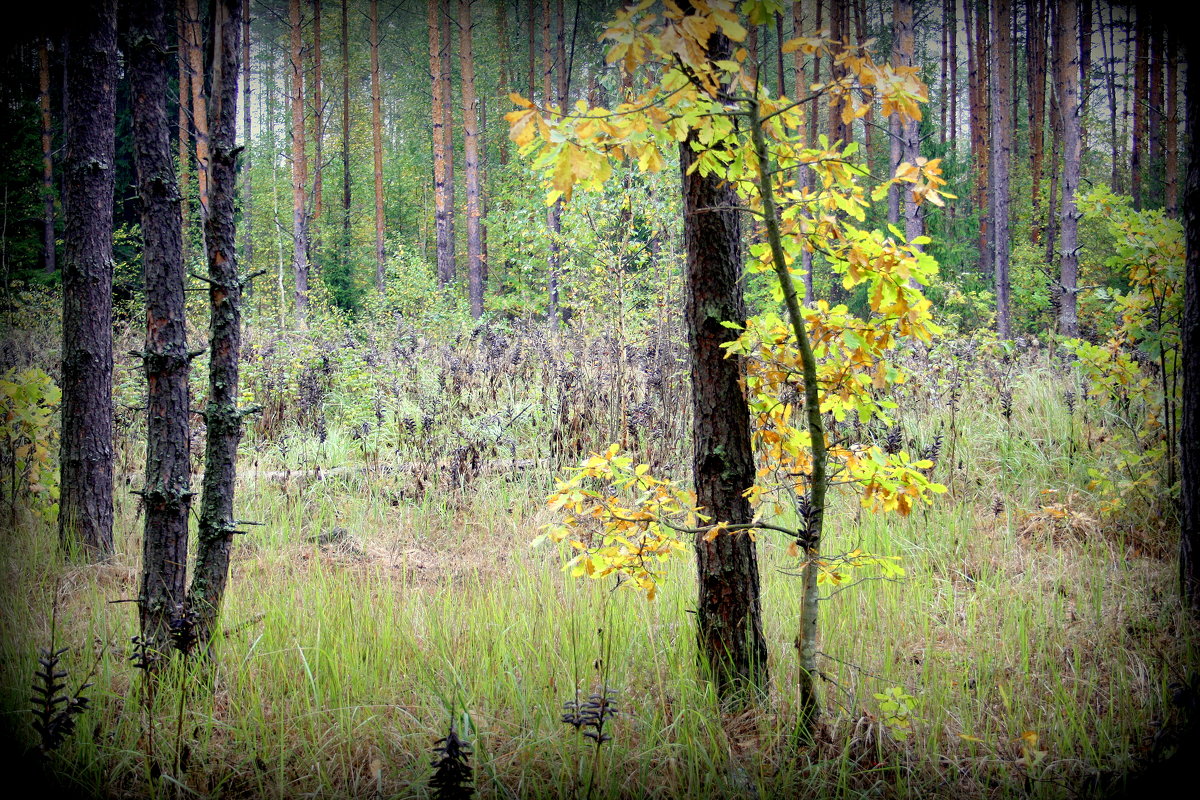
983 116
195 55
1035 11
299 168
943 110
443 182
1172 125
86 502
1154 132
1069 123
781 83
167 493
895 129
860 15
48 261
1001 156
475 279
318 114
447 51
1140 89
1085 63
1109 45
222 419
814 107
728 610
377 144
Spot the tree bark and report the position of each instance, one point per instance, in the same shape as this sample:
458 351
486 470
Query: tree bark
1172 126
475 278
318 115
728 612
1109 44
1189 540
1001 156
185 133
49 265
554 213
982 118
299 168
1067 82
447 73
1140 89
86 501
195 55
442 143
910 149
377 142
167 493
1035 11
223 420
247 184
347 196
506 77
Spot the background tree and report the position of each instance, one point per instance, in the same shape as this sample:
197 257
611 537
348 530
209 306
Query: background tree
377 141
471 163
1189 541
86 510
299 166
1000 158
1067 86
49 264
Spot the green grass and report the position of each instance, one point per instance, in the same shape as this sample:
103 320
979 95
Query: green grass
337 670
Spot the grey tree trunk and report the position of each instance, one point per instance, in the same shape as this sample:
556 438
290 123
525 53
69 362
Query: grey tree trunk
1001 157
1067 86
86 503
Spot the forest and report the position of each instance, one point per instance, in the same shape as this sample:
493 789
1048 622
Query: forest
599 399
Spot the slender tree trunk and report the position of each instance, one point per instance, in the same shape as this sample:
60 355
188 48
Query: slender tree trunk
554 213
318 115
1140 90
48 261
346 182
1067 82
185 133
447 51
471 158
506 77
781 84
167 493
1035 11
1000 158
1085 65
895 128
805 177
223 420
1055 147
1172 125
299 168
247 185
728 611
944 108
813 112
531 38
86 501
1154 132
442 142
195 54
983 116
377 143
1109 44
1189 540
910 141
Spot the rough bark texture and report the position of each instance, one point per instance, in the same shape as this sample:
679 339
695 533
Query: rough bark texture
910 149
247 185
1172 125
1189 540
982 114
1001 157
471 161
1140 89
318 112
377 144
1069 122
185 135
1035 73
195 64
1154 112
86 503
223 421
347 197
728 612
447 259
1108 43
299 167
442 141
49 264
167 493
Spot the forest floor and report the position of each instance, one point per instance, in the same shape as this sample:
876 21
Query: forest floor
1037 641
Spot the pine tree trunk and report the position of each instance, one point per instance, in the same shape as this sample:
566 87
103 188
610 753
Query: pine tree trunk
167 493
449 256
983 116
909 139
532 40
1140 90
1154 122
1085 64
728 611
86 501
554 213
505 84
804 179
1001 156
377 140
195 55
1069 123
247 184
347 196
185 133
318 115
1109 45
299 168
1035 11
223 421
1189 540
48 261
1172 125
471 158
